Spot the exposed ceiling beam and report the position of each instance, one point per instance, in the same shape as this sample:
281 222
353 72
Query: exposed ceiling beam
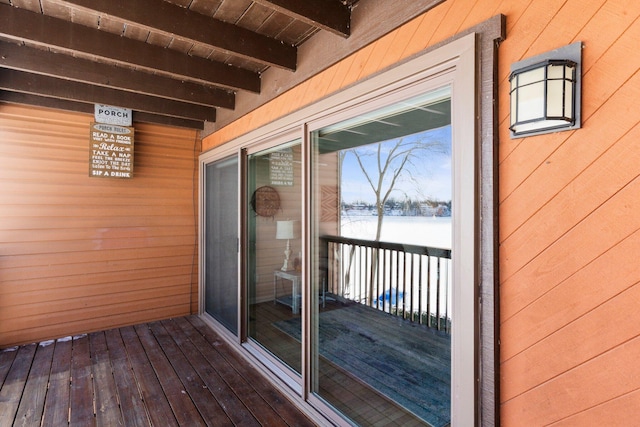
35 84
24 58
330 15
82 107
19 24
183 23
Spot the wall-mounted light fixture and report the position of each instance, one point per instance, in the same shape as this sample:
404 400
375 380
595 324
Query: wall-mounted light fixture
545 92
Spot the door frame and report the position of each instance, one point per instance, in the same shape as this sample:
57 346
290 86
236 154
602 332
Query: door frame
482 58
214 156
277 368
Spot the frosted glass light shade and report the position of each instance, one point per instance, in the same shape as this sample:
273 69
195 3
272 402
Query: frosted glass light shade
543 97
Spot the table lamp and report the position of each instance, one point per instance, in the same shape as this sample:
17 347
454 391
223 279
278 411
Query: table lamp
286 230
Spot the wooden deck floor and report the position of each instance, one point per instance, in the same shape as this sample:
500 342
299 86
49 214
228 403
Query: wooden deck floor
171 373
364 404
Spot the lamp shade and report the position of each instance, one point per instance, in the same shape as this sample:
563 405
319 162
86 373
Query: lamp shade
543 97
285 230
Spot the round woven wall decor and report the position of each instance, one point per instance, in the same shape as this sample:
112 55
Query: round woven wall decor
265 201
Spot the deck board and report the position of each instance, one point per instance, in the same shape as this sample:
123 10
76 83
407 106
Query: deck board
14 383
182 406
32 402
235 382
208 407
288 414
131 404
158 407
108 411
170 373
56 405
81 393
233 406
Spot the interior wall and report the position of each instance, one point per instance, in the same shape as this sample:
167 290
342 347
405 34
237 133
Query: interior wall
569 283
79 254
270 251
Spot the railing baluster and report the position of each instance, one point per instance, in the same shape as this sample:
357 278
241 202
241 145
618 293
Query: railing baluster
378 274
447 324
420 289
411 311
367 275
367 285
428 291
402 282
383 278
363 280
397 282
404 286
438 294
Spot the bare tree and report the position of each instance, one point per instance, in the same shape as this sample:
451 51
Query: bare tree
393 160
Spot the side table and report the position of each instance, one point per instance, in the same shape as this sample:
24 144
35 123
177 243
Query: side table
292 300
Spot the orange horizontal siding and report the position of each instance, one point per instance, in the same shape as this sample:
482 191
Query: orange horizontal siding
570 349
79 254
569 229
601 414
122 314
604 215
610 376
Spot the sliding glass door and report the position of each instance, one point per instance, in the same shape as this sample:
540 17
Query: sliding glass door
221 242
357 289
381 238
274 254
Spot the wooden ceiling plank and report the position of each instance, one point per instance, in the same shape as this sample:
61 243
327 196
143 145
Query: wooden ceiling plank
111 25
297 32
275 23
136 32
161 40
184 23
23 58
232 10
205 7
19 81
182 3
32 5
83 107
141 116
56 10
330 15
201 51
255 17
181 45
87 19
19 24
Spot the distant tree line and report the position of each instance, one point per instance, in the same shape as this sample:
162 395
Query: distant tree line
406 207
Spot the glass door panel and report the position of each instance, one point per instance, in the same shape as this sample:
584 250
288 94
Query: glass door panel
221 242
381 254
274 273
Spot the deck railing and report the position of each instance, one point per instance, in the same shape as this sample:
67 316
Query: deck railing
412 282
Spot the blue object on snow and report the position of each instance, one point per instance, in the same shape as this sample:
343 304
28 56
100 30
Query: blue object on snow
390 296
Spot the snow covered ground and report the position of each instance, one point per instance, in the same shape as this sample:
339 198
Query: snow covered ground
421 231
415 230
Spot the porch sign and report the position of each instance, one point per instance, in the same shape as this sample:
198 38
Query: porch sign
110 151
281 167
113 115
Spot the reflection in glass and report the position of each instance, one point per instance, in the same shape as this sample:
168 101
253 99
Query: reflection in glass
274 252
381 263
